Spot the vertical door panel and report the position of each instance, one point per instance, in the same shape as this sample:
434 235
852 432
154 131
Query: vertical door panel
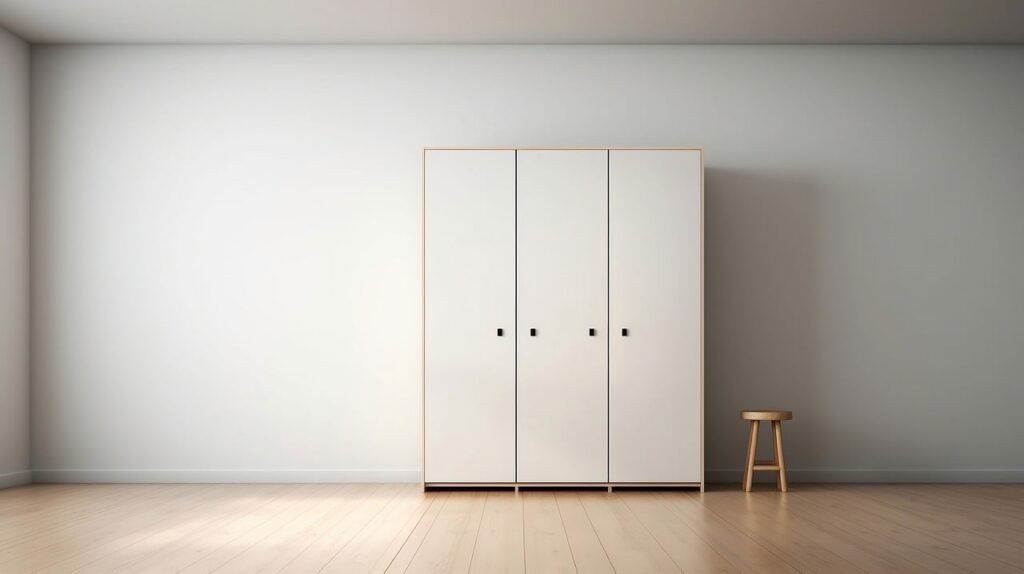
469 282
562 294
655 293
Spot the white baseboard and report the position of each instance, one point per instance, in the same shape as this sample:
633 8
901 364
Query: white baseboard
228 475
875 475
16 478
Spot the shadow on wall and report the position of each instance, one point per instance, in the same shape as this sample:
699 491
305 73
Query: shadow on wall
762 314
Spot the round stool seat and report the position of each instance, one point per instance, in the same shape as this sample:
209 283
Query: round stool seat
766 415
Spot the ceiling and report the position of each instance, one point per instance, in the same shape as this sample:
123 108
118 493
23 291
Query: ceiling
515 21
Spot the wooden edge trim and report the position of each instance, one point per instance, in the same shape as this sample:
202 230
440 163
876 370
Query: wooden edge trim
423 317
702 464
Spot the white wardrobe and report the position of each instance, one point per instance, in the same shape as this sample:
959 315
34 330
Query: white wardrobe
563 317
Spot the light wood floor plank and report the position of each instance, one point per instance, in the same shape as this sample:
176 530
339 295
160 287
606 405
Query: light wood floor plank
448 546
324 545
1004 499
60 544
195 546
499 542
365 551
765 520
861 542
781 513
412 524
303 501
35 500
144 529
50 517
408 548
588 554
892 536
988 518
680 542
130 544
738 548
955 546
279 548
629 545
545 545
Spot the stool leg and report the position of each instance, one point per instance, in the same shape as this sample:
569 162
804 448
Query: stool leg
775 455
777 428
747 457
748 476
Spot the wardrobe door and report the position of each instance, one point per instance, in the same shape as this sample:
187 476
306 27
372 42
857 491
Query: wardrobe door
562 273
469 316
655 223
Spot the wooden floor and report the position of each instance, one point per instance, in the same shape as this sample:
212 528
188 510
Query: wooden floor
397 528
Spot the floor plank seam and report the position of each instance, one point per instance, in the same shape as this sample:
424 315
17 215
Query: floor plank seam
168 502
937 537
522 512
698 534
302 501
447 499
742 533
650 533
224 512
86 515
274 531
419 520
565 534
814 519
278 495
240 534
348 509
731 525
355 534
596 533
772 546
898 542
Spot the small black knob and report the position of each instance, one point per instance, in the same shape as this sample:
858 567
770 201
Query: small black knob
533 332
501 332
593 332
625 332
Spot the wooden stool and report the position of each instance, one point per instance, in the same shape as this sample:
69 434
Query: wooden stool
779 464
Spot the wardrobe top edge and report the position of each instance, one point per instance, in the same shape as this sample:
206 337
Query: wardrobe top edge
541 148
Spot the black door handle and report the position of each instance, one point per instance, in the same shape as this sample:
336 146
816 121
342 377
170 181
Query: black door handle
593 332
501 332
625 332
533 332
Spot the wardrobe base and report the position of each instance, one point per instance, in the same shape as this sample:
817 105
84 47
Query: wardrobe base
608 486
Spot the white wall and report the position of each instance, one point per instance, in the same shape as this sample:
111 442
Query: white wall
227 246
14 266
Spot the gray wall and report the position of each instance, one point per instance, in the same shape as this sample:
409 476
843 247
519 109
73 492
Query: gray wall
227 246
14 266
